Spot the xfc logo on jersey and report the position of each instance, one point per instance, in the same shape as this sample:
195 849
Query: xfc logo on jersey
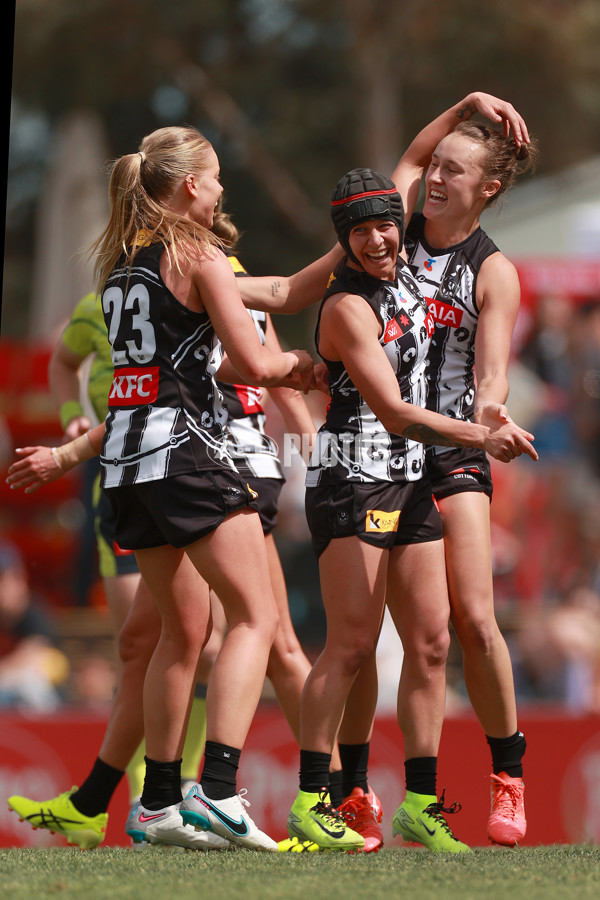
443 313
134 387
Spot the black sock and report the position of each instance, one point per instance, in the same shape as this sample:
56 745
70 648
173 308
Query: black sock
421 774
219 772
507 754
336 791
355 762
314 771
162 784
94 795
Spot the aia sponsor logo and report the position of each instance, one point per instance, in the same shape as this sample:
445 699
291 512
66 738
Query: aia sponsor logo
134 387
444 314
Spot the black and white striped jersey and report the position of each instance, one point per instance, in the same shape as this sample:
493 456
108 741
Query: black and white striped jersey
248 442
165 413
448 280
352 444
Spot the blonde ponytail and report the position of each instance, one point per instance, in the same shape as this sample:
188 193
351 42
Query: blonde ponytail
140 187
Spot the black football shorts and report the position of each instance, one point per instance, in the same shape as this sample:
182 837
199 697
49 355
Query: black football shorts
384 513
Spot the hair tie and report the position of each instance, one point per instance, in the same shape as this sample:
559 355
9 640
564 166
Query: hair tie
522 151
142 155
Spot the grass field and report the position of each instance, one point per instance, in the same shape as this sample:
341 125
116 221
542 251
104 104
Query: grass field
551 873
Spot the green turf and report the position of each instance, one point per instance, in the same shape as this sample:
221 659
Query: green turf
551 873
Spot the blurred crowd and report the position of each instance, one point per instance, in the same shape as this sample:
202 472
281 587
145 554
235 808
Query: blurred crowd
42 665
546 515
545 536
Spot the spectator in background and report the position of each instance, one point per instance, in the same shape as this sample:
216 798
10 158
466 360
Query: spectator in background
557 652
547 349
554 512
548 354
6 447
586 384
31 667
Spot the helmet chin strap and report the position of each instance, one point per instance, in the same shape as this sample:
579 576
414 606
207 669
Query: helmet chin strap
350 254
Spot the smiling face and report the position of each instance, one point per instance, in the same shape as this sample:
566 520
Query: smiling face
376 243
455 189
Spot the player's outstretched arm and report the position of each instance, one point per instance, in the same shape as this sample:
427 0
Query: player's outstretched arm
40 465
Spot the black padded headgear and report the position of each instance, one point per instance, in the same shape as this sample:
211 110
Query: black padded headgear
364 194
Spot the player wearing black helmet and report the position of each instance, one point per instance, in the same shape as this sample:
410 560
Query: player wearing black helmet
364 194
374 526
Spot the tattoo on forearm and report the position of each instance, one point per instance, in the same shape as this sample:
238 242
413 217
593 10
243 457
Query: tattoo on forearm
464 110
427 435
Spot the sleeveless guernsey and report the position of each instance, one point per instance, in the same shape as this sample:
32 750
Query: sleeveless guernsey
247 440
352 444
165 412
448 280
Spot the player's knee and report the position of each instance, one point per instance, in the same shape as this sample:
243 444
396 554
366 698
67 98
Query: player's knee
437 649
477 634
354 654
136 644
429 649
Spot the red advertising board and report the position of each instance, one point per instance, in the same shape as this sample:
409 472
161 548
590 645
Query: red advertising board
40 757
576 278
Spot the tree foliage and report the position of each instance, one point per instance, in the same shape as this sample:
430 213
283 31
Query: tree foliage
294 92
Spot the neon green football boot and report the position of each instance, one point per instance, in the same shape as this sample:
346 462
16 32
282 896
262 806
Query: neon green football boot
59 816
295 845
313 818
419 820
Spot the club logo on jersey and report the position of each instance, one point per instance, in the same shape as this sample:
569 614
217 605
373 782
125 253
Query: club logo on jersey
250 398
444 314
134 387
397 327
379 522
